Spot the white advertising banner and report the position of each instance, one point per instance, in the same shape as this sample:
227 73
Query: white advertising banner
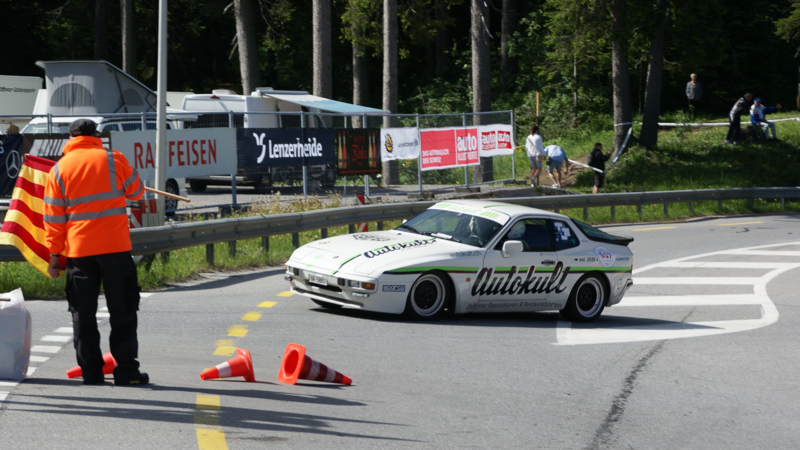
190 153
399 143
496 140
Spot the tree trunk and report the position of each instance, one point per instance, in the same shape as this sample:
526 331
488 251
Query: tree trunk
321 24
391 174
128 39
442 40
100 29
248 49
619 71
360 82
508 26
481 79
652 95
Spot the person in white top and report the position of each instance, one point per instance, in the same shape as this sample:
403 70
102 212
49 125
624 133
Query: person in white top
535 148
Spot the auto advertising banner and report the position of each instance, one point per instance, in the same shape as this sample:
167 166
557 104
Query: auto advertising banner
444 148
399 143
496 140
276 147
357 151
190 153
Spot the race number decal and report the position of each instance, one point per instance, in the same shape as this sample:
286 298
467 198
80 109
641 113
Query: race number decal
605 256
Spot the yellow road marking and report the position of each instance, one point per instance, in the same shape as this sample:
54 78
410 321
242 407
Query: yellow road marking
206 420
251 316
225 347
740 223
648 229
286 294
211 440
238 331
267 304
207 401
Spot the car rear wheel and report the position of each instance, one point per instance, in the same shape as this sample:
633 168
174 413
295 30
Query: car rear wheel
587 299
427 298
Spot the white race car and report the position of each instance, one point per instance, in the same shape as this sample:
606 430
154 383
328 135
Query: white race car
469 256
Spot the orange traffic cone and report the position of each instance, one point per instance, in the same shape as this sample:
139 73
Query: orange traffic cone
239 366
296 365
108 367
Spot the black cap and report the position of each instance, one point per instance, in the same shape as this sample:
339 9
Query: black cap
83 127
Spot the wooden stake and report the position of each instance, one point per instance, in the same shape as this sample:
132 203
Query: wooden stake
167 194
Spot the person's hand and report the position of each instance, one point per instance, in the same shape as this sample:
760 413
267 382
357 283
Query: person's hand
54 268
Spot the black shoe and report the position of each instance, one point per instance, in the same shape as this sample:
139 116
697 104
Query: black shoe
94 381
135 380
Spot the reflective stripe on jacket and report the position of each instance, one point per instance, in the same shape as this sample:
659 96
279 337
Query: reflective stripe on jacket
84 200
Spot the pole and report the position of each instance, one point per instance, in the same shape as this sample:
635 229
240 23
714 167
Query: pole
419 162
302 139
513 150
233 175
466 172
537 107
161 120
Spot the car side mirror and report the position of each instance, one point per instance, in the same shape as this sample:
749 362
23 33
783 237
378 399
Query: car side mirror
511 247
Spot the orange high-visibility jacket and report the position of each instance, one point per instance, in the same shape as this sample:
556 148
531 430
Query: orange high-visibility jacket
84 200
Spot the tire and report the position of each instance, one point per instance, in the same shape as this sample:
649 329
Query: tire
171 203
587 299
326 305
428 297
197 185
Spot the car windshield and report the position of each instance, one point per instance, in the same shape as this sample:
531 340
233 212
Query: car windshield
454 226
41 128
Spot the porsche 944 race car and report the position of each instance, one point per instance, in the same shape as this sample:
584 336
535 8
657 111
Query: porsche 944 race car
469 256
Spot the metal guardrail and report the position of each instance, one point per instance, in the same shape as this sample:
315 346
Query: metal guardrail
182 235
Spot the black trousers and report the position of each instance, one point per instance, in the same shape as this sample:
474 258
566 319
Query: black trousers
735 128
117 273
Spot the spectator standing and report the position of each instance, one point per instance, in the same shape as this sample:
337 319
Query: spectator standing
534 145
556 159
694 90
758 114
740 108
598 160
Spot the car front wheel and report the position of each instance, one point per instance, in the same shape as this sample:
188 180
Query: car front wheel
427 298
587 299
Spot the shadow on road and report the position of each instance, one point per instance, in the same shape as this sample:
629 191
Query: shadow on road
222 280
513 320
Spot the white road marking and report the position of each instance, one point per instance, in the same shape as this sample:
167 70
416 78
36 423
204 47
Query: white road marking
63 330
31 370
3 396
145 294
725 265
39 359
8 383
566 335
45 349
690 300
727 281
57 338
105 308
103 315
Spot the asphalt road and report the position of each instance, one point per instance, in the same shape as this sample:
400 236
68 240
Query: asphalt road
701 354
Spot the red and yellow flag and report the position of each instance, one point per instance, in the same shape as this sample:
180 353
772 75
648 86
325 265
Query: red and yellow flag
23 226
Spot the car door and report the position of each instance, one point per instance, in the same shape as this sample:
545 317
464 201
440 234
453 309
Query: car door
572 260
520 281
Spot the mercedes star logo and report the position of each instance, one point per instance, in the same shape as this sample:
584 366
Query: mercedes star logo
13 164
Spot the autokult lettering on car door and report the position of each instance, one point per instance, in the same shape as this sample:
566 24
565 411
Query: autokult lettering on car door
523 280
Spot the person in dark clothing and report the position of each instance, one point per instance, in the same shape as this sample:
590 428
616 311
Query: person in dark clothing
740 108
598 160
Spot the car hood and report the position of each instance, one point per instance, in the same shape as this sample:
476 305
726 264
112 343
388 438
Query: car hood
368 253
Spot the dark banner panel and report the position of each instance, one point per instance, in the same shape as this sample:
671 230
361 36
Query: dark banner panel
357 151
276 147
11 151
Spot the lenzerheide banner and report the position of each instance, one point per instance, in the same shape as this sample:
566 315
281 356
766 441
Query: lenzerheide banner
357 152
277 147
400 143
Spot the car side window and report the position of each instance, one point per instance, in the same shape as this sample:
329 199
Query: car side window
111 127
564 236
533 233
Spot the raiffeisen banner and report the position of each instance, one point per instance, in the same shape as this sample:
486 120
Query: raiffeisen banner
399 143
444 148
277 147
496 140
190 153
